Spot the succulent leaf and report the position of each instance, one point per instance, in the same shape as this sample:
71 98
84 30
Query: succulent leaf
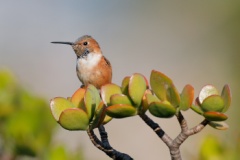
107 91
125 83
213 103
226 95
136 88
121 111
219 125
78 98
164 88
90 103
207 91
99 116
186 96
58 105
74 119
162 110
197 109
106 119
215 116
95 94
120 99
144 107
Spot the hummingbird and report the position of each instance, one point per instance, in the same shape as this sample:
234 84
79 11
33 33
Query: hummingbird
92 67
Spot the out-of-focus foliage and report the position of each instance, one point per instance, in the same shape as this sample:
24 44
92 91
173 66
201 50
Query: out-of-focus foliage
213 148
26 124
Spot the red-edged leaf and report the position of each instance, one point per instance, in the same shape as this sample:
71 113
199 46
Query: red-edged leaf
187 97
215 116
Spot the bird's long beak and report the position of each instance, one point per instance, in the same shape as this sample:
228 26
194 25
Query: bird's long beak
69 43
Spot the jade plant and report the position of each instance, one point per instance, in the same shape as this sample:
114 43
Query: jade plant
89 108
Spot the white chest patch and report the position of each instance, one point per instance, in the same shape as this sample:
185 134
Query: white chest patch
89 62
85 66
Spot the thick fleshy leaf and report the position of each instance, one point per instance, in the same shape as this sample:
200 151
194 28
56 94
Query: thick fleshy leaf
159 82
226 95
78 98
162 110
186 97
219 125
197 109
151 98
215 116
213 103
108 90
125 83
106 119
136 88
207 91
173 96
99 116
120 99
164 88
95 93
90 103
144 107
74 119
121 111
58 105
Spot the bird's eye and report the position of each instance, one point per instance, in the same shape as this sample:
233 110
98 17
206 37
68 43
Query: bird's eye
85 43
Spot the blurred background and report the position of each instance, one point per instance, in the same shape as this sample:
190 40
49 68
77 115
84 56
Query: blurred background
192 42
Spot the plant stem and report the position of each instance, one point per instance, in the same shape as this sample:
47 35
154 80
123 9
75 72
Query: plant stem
105 146
174 144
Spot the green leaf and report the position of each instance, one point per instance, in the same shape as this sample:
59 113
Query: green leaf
207 91
120 99
197 109
95 94
106 119
215 116
137 86
162 110
186 96
173 96
213 103
226 96
125 83
151 98
107 91
74 119
121 111
58 105
78 98
99 116
90 103
144 107
164 88
219 125
159 82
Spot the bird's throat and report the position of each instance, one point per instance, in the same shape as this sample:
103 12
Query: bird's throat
84 55
88 61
